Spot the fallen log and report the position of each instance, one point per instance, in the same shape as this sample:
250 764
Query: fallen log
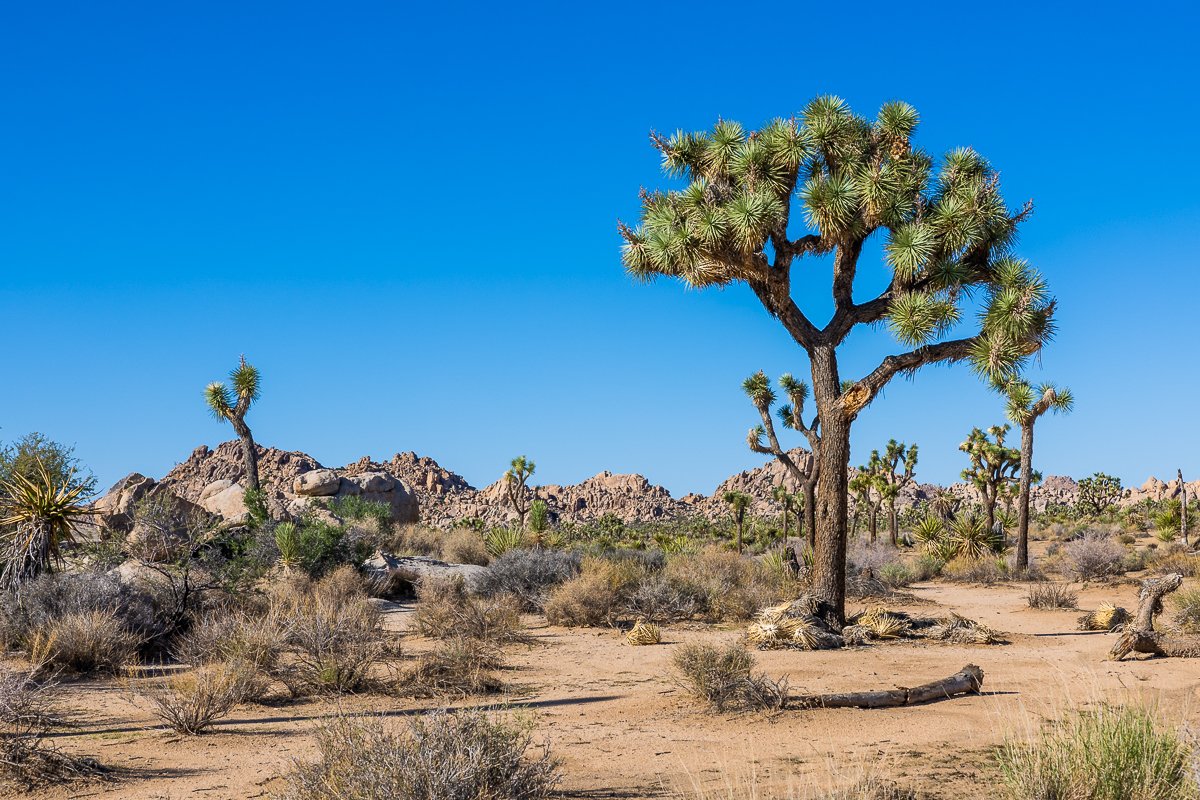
1139 635
967 680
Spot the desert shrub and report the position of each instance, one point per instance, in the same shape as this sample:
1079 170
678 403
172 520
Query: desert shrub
462 546
727 585
1051 595
926 567
658 599
455 667
312 545
446 611
337 635
1187 609
1113 753
191 702
724 678
971 538
27 759
1096 555
1174 559
499 541
85 642
595 596
465 755
986 570
874 557
529 575
254 640
354 508
897 575
416 540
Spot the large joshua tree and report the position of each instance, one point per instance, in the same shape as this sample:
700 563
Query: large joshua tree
1025 406
994 467
515 479
231 405
893 471
947 236
762 438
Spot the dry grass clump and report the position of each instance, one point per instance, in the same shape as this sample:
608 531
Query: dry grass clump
461 546
960 630
724 678
27 759
465 755
335 631
1094 556
727 586
1187 610
879 623
1175 559
1051 595
1105 618
643 633
987 570
455 667
1112 753
446 611
85 642
191 701
595 596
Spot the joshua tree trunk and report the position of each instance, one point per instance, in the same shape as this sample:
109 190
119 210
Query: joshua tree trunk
810 511
785 523
989 509
829 555
249 453
1023 496
741 516
1183 500
893 524
873 522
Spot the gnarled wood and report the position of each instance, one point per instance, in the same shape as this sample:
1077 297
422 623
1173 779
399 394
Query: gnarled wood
967 680
1140 636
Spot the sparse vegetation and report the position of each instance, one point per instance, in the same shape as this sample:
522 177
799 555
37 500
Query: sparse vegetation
1051 595
724 678
1094 556
445 755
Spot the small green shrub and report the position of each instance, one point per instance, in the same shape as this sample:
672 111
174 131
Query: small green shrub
1113 753
1187 609
354 508
986 570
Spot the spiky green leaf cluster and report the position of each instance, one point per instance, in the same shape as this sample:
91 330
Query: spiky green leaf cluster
229 401
1024 402
994 465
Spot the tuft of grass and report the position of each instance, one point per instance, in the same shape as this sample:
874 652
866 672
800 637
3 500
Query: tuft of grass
1187 609
86 642
725 680
456 668
440 756
1111 753
191 702
1051 595
446 611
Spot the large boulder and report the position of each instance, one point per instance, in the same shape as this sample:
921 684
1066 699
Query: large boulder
115 510
316 483
225 499
371 482
404 573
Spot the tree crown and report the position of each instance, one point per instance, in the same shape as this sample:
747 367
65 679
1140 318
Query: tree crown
228 404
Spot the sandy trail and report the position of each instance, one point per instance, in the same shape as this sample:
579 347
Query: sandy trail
612 714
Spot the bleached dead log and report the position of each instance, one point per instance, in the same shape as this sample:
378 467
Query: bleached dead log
967 680
1139 635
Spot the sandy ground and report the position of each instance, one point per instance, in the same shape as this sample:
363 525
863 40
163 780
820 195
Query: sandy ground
622 730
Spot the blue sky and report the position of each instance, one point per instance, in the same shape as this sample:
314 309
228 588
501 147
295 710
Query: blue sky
405 216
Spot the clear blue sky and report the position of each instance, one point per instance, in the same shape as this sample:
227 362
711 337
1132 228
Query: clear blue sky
406 218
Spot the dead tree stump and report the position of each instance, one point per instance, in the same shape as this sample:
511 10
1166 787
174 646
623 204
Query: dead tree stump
1139 635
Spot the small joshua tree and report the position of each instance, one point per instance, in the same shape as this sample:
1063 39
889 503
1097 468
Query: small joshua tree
1098 492
865 487
994 466
1025 406
791 414
893 471
738 503
515 479
787 503
231 406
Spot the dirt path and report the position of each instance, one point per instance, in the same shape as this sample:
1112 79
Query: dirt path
612 714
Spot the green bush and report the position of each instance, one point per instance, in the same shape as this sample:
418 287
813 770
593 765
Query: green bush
1113 753
1187 609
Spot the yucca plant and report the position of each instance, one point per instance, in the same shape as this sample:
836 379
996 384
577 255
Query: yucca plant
972 538
287 539
500 540
231 406
929 531
515 479
38 515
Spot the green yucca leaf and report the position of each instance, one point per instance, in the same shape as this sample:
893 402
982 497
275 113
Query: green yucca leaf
909 248
219 401
898 120
758 388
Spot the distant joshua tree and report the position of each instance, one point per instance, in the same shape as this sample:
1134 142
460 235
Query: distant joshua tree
231 406
865 488
1098 492
994 466
787 503
791 414
1025 406
892 472
515 479
738 503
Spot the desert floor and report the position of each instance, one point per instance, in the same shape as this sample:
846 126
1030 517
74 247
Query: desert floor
622 730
